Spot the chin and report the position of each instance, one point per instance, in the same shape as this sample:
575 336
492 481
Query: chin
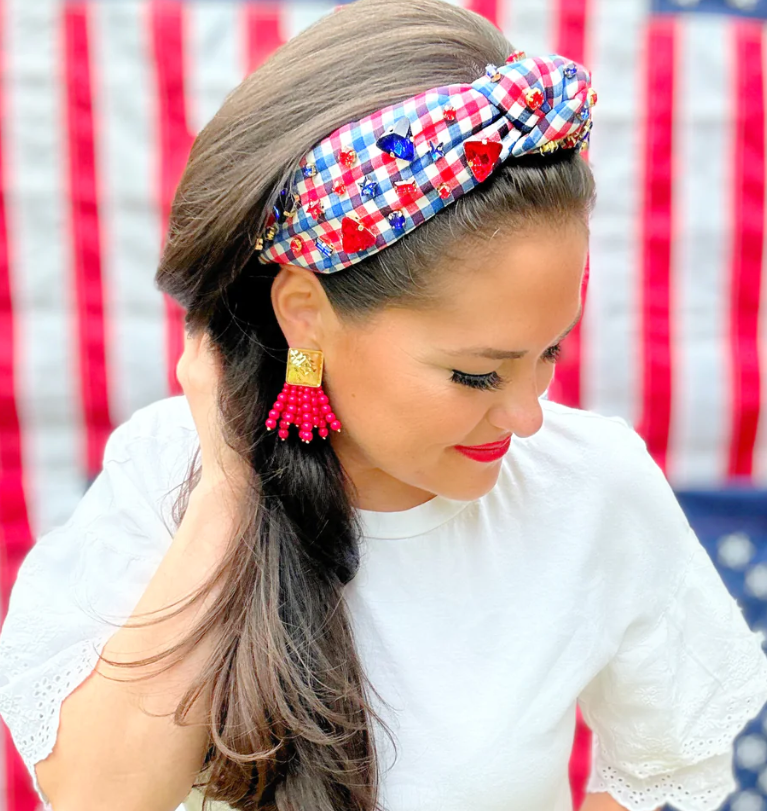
470 488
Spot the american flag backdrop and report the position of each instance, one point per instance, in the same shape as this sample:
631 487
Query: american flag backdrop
99 103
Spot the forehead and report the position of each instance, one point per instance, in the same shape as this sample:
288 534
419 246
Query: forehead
531 276
516 292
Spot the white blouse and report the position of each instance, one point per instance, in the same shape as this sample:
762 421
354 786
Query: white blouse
576 581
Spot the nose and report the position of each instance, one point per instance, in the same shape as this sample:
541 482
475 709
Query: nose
518 410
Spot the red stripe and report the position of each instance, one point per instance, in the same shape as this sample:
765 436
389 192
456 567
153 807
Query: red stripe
572 17
580 760
15 531
572 25
657 225
572 22
748 242
167 21
264 31
490 9
86 245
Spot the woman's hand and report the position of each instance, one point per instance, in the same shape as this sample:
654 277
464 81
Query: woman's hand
224 472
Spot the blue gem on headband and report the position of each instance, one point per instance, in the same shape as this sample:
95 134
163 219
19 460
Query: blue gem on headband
397 142
370 188
437 151
323 247
284 206
570 71
492 72
397 220
310 170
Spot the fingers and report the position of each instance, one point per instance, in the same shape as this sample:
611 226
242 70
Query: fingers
199 373
193 370
182 366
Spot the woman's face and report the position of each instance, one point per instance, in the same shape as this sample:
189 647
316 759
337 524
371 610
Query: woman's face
413 388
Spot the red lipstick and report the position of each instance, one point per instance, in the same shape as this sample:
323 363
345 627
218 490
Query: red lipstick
485 453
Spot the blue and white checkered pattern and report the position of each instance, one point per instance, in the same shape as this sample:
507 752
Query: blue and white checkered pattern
497 107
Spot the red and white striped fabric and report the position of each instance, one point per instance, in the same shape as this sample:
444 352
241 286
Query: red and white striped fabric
99 102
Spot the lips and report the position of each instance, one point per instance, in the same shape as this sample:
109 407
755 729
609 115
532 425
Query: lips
485 453
489 447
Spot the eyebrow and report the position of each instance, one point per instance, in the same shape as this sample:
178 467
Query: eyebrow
502 354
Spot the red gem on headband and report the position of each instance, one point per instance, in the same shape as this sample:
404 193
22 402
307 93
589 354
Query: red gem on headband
315 209
405 188
355 236
481 157
534 98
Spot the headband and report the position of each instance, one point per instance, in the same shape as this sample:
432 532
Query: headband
372 181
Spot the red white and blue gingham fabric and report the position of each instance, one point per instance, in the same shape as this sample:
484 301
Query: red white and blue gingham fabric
485 109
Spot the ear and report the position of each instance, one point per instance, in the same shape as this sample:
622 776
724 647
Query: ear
300 306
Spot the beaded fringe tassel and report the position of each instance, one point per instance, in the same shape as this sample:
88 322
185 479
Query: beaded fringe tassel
306 407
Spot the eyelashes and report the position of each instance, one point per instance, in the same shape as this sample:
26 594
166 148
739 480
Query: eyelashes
483 382
553 353
493 380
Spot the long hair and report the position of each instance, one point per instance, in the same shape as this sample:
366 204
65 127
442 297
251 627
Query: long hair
291 725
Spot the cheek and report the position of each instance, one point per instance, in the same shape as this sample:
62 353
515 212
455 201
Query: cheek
545 376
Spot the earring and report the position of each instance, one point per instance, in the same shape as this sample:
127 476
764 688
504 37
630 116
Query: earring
302 402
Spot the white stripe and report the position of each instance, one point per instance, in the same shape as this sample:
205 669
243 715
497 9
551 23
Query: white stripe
529 25
760 447
38 227
214 57
610 332
127 155
301 14
700 296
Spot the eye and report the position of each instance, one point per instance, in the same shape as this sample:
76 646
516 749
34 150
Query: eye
493 380
482 382
552 354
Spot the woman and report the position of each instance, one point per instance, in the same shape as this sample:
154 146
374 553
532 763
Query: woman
407 567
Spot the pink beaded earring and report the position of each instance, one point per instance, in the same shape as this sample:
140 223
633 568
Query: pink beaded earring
302 402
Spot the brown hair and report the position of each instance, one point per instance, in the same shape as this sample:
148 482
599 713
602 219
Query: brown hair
291 723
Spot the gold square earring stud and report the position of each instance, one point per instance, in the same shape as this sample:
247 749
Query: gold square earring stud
304 367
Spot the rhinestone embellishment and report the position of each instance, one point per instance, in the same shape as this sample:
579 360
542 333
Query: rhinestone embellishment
347 157
369 188
397 141
397 220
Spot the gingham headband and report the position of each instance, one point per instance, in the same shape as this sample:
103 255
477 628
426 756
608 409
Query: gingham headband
372 181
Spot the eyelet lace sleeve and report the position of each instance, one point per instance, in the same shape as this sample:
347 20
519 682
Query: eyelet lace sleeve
666 709
65 603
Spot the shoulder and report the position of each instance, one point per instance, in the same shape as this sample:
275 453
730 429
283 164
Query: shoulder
581 449
600 512
586 433
606 460
591 477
